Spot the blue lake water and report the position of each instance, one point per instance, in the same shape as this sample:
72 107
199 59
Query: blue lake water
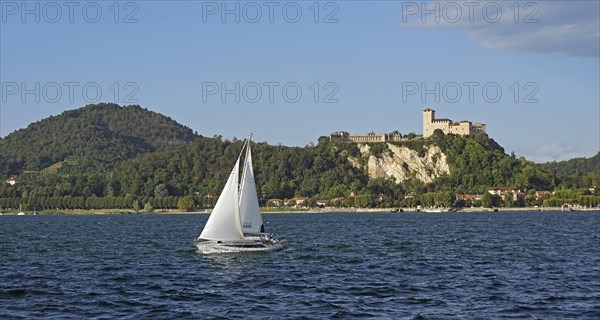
535 265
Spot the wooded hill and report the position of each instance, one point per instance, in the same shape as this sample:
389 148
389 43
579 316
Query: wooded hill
576 173
130 154
92 138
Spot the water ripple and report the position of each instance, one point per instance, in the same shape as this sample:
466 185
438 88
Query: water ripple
343 266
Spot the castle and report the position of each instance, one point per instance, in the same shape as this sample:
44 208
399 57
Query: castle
343 136
463 128
430 124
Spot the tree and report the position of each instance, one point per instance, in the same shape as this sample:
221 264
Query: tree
508 200
408 202
136 206
186 204
486 200
427 200
363 201
410 135
161 191
491 200
438 134
148 207
348 202
446 199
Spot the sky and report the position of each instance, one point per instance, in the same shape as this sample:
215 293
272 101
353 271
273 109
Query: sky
292 71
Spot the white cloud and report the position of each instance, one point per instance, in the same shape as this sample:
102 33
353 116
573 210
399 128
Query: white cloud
555 152
568 27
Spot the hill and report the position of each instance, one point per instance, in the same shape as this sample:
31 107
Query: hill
327 170
104 156
470 164
92 138
575 173
204 165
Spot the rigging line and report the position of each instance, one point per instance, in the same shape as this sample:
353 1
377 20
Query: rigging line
245 166
242 151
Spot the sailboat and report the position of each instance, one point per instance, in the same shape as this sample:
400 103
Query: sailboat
21 213
235 224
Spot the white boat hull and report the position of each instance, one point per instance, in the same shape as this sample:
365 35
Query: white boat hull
212 247
250 244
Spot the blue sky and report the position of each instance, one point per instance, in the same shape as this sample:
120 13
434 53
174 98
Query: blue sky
355 63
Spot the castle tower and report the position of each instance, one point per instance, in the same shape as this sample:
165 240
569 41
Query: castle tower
428 116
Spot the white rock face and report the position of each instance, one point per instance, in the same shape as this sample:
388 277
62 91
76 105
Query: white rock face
403 163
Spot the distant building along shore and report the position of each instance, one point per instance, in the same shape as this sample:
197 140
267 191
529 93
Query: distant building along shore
430 124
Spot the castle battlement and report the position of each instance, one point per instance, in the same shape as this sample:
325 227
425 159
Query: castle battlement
463 128
430 124
343 136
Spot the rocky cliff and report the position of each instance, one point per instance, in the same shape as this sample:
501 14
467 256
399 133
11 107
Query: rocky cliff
400 163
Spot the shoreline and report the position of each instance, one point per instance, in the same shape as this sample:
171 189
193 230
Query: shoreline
316 211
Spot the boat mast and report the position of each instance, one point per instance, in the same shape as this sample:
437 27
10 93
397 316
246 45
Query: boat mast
247 147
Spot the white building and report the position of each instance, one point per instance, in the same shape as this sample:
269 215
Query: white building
463 128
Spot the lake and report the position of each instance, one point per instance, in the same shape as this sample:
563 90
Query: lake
347 265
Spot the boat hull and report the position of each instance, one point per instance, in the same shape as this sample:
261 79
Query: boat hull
253 244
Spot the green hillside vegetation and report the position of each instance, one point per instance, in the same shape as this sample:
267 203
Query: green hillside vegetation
576 173
111 157
478 162
98 136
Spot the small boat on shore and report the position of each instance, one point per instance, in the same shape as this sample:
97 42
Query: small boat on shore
235 224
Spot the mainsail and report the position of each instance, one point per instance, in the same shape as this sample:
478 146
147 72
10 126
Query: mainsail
249 210
224 221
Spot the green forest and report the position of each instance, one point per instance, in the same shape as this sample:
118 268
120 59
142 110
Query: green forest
95 137
110 157
575 173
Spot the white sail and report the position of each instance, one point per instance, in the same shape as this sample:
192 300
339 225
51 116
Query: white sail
224 221
223 231
251 219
